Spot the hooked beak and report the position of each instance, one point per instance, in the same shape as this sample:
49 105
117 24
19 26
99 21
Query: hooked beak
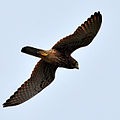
76 66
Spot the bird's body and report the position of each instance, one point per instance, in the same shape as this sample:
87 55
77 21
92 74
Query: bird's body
53 57
58 56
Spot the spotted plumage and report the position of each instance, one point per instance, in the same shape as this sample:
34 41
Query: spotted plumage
59 56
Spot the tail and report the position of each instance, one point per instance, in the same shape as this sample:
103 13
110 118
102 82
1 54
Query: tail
34 51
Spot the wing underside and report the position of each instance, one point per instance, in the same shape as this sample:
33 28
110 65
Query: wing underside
41 77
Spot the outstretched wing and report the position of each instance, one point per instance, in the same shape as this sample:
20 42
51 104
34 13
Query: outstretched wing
41 77
83 35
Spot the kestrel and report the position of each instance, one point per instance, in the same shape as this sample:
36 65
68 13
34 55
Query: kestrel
58 56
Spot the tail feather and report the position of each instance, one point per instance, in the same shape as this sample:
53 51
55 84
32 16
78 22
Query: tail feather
32 51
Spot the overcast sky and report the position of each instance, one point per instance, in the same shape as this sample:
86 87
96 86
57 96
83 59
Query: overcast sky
90 93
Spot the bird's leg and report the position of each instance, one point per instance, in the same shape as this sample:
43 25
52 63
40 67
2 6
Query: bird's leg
44 54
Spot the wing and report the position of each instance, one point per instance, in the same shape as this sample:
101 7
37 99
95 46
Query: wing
83 35
41 77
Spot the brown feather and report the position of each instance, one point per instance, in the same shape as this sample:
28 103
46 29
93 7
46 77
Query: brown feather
83 35
41 77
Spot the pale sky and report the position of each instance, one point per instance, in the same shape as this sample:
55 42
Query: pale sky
90 93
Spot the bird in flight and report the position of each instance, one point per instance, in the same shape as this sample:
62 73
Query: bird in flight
58 56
